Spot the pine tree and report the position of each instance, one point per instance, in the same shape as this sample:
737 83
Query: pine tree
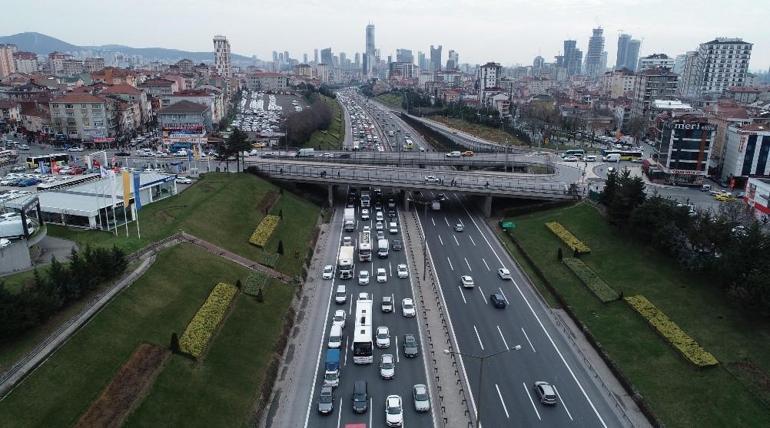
559 254
174 345
260 297
280 247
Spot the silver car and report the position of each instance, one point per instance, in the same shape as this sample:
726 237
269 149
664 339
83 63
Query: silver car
421 398
387 366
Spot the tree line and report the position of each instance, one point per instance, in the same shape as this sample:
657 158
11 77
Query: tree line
730 247
301 125
56 287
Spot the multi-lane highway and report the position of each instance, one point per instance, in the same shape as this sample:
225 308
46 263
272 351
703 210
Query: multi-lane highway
408 371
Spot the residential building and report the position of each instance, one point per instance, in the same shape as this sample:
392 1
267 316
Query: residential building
81 116
746 154
435 58
93 64
758 197
684 147
537 65
369 51
618 83
402 70
327 57
56 62
688 78
269 82
632 54
10 111
722 64
724 114
594 53
114 76
7 63
185 65
129 93
159 87
25 62
222 56
212 99
655 61
572 59
489 74
36 118
620 60
652 84
184 122
303 70
72 67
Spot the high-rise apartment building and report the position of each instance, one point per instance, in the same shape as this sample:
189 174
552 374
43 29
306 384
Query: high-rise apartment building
653 84
26 62
656 60
421 61
632 54
489 75
620 59
537 65
572 58
326 57
722 63
222 56
369 53
435 58
7 64
453 62
594 53
404 55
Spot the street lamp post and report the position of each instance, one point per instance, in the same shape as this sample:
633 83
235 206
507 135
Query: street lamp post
481 359
424 238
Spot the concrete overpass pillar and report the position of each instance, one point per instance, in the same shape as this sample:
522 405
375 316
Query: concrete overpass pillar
487 206
331 195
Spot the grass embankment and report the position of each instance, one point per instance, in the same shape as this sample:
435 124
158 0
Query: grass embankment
220 391
332 138
390 99
482 131
730 394
223 209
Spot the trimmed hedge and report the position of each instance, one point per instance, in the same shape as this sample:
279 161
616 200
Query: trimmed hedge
254 282
264 230
587 276
685 344
568 238
204 323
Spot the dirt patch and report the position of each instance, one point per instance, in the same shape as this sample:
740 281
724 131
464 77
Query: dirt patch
746 369
130 383
268 201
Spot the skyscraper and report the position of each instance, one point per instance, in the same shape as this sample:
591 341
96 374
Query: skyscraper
304 58
222 55
453 62
620 60
315 56
435 58
537 65
404 55
370 50
632 55
326 57
722 63
594 53
573 58
421 61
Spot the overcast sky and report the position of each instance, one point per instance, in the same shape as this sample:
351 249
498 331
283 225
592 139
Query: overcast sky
505 31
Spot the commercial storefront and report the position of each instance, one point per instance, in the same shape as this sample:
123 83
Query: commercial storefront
758 197
684 148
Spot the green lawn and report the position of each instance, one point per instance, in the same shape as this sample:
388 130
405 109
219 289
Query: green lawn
221 208
220 391
14 283
391 99
481 131
680 394
332 138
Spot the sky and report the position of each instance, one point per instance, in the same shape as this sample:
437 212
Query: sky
505 31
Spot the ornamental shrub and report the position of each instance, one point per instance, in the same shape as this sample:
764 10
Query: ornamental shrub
568 238
590 279
264 230
204 323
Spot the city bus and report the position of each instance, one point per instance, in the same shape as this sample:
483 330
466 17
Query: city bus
35 161
625 154
574 152
362 335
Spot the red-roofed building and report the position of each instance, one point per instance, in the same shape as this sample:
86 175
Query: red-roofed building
130 94
9 111
211 98
159 87
82 116
36 117
114 76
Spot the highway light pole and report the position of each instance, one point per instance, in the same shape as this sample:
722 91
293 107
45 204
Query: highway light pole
424 238
481 359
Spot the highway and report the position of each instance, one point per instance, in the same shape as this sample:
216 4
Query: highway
409 371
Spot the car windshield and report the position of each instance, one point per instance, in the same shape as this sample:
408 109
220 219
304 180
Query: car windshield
387 364
326 398
382 334
420 395
394 409
409 340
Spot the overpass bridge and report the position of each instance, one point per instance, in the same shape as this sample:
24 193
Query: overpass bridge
562 184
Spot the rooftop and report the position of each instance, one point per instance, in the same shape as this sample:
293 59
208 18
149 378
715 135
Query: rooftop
78 98
184 106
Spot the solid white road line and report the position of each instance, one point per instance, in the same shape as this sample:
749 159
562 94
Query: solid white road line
548 335
462 294
502 337
485 264
441 240
500 289
339 416
456 241
390 269
350 309
505 408
478 337
528 341
370 411
397 349
447 221
450 263
468 264
562 402
347 342
472 241
483 296
433 221
526 391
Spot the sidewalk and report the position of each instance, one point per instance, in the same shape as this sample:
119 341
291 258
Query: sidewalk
450 400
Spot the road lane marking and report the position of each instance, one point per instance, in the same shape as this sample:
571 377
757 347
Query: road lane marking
548 335
505 408
440 240
504 296
456 241
390 269
472 241
450 263
397 349
502 337
483 296
468 264
526 391
350 309
339 416
462 294
485 263
478 337
370 410
347 342
529 341
447 221
562 402
433 221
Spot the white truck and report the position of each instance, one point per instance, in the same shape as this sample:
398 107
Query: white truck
349 219
382 248
345 262
365 246
306 153
435 205
13 228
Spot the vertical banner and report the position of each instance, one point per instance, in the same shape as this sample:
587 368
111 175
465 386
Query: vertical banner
126 187
137 200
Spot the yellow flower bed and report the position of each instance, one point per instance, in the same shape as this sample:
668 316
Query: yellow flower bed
202 326
264 230
671 332
567 237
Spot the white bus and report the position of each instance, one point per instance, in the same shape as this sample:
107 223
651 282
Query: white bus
365 246
362 335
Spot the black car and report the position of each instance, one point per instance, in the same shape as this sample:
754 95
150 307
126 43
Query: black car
360 397
122 154
391 213
498 300
326 400
344 156
395 245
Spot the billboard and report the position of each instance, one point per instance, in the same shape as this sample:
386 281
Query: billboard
183 133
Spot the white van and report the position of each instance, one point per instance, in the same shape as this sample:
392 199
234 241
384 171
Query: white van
612 157
335 337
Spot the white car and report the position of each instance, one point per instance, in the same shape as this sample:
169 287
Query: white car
504 274
378 225
341 295
328 272
381 275
394 413
431 179
383 337
571 159
467 281
339 318
347 241
380 235
363 277
454 154
403 272
364 214
387 366
75 149
379 217
183 180
407 308
393 228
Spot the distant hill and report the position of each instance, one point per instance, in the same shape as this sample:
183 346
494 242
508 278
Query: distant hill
42 44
